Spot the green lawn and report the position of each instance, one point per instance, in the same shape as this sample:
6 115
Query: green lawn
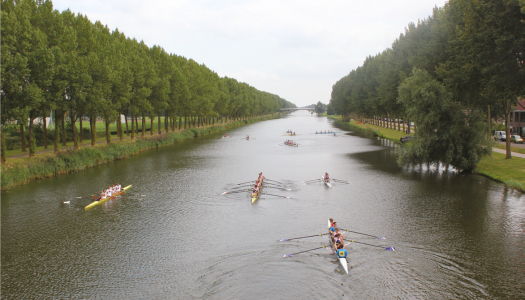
504 170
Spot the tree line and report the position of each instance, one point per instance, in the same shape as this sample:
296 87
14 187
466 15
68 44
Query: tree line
450 74
62 62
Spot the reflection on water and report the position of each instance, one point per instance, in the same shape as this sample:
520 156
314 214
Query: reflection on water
174 236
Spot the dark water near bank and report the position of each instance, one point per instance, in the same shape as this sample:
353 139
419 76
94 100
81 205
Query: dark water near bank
173 236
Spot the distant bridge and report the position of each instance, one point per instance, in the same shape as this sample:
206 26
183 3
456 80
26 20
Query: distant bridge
298 108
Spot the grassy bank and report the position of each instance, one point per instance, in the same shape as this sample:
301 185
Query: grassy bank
391 134
23 170
511 172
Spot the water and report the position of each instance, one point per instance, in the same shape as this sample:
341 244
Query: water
173 236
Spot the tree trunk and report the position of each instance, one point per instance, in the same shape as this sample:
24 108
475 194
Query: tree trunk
31 139
507 108
489 123
408 126
166 124
132 126
108 136
57 133
3 147
143 124
152 127
119 127
93 122
159 125
63 120
81 135
185 122
180 122
74 126
22 137
45 129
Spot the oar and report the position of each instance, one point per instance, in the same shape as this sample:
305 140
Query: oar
277 188
232 192
240 187
314 180
288 255
302 237
339 180
379 237
245 182
277 195
273 180
387 248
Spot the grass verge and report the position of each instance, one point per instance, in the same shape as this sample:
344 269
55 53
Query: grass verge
23 170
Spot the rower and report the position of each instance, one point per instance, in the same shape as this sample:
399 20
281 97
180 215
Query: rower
326 177
332 229
338 241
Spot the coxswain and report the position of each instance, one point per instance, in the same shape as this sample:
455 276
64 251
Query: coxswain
102 195
341 251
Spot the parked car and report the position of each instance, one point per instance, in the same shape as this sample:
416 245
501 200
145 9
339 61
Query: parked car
516 139
500 135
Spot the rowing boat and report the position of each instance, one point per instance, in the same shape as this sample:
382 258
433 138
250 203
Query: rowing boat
328 183
97 202
291 144
255 197
342 260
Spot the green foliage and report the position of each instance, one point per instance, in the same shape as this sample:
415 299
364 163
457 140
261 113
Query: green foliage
447 132
66 63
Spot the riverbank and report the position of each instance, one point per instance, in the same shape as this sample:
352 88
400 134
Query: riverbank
510 172
22 170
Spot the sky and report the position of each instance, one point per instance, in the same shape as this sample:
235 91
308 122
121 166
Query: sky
297 49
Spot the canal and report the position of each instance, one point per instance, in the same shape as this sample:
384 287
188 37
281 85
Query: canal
174 236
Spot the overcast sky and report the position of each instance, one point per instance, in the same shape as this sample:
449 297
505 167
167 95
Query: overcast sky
295 49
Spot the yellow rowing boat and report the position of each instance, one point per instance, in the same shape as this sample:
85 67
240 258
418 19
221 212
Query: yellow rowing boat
255 197
97 202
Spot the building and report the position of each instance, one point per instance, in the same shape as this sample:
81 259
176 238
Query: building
517 119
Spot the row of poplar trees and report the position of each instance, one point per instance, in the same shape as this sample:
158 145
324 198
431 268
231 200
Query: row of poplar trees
449 74
62 62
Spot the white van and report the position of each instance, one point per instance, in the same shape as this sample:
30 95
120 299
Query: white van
500 135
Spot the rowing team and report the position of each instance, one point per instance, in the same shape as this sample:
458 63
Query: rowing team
337 238
326 177
329 131
110 191
289 142
257 186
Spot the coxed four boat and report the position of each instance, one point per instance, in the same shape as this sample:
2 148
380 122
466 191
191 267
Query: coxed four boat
342 260
100 201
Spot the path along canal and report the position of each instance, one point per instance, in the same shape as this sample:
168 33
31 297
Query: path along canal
173 236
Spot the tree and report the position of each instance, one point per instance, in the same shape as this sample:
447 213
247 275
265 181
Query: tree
447 132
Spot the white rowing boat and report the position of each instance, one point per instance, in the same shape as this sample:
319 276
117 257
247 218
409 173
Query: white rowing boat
327 183
342 260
